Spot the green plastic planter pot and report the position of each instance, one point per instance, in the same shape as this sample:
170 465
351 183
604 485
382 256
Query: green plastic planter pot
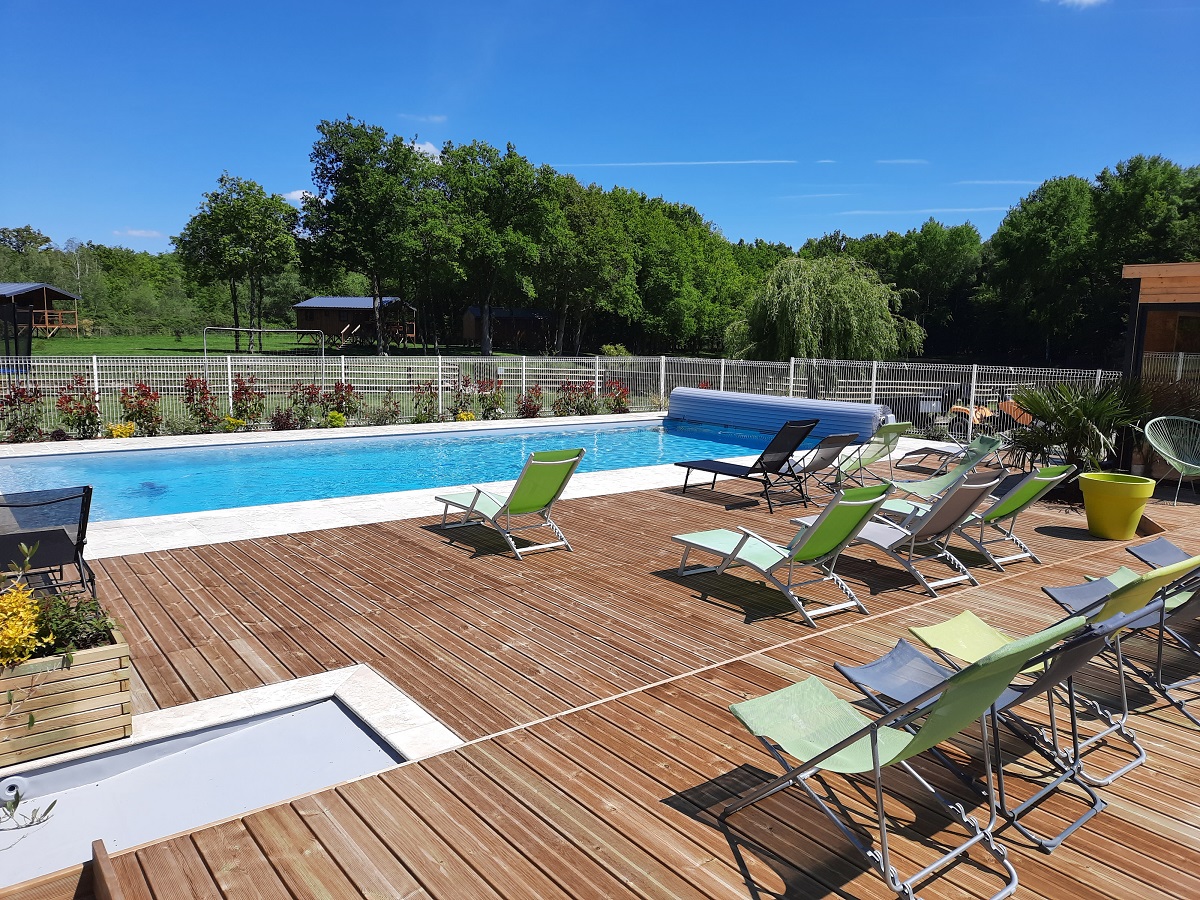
1114 503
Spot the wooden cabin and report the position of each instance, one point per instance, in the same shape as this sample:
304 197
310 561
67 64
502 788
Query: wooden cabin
52 309
351 320
1165 310
526 330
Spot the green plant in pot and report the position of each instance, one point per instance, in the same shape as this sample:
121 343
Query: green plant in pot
1080 424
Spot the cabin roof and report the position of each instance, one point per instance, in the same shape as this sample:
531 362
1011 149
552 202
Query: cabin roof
17 288
342 302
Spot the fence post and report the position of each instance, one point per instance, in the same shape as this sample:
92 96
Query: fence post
524 359
1179 368
721 380
596 377
662 379
874 377
1099 375
439 382
971 402
791 376
96 379
343 359
229 381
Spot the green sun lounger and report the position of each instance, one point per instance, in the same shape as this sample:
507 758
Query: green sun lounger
538 487
971 456
817 545
881 445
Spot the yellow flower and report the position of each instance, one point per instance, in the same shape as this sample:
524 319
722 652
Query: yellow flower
18 625
119 429
465 416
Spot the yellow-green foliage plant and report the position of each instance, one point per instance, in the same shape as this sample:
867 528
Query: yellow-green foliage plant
19 625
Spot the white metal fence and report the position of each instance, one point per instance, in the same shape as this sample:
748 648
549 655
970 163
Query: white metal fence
1171 366
916 392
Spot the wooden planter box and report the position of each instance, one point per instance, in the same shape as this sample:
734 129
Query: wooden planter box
87 703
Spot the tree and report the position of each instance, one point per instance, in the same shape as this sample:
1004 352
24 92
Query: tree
832 307
1043 267
25 239
495 203
239 233
368 202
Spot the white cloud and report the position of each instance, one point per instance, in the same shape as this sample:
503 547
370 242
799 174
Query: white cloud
431 120
826 162
996 181
1081 4
699 162
923 212
297 196
428 149
901 162
139 233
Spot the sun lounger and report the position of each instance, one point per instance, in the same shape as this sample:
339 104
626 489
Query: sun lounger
56 521
538 487
768 470
816 545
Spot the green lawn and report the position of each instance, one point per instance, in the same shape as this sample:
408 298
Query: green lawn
193 345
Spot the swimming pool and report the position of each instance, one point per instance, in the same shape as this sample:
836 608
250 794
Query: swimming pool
136 483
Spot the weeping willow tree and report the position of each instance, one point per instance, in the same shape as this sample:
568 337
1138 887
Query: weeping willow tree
834 307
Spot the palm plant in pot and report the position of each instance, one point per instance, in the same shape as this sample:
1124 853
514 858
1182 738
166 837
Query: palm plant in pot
1080 424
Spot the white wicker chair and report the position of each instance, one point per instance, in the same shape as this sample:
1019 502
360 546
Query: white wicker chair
1176 440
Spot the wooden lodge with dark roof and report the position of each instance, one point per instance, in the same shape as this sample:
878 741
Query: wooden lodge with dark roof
351 320
51 309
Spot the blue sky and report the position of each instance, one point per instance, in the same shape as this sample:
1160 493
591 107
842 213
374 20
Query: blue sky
775 120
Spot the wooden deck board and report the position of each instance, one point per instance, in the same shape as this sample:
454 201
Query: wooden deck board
616 675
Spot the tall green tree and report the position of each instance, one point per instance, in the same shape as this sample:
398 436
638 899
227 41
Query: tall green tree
363 214
499 212
832 307
239 233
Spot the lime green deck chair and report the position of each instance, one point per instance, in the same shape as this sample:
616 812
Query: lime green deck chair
881 445
972 455
817 545
808 723
537 488
1166 598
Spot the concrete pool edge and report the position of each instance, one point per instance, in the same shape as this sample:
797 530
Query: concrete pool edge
392 715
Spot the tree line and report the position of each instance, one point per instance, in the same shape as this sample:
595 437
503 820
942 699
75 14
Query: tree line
477 226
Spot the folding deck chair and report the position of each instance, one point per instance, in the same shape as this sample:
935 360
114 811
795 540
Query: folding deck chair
768 469
930 529
881 445
968 458
808 723
904 673
1178 587
538 487
816 545
56 521
1000 518
820 464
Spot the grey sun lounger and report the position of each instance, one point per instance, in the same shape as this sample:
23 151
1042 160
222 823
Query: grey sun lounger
768 470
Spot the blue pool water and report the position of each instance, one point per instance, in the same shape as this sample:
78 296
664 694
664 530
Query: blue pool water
134 483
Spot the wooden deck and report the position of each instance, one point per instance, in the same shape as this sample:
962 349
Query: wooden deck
592 688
